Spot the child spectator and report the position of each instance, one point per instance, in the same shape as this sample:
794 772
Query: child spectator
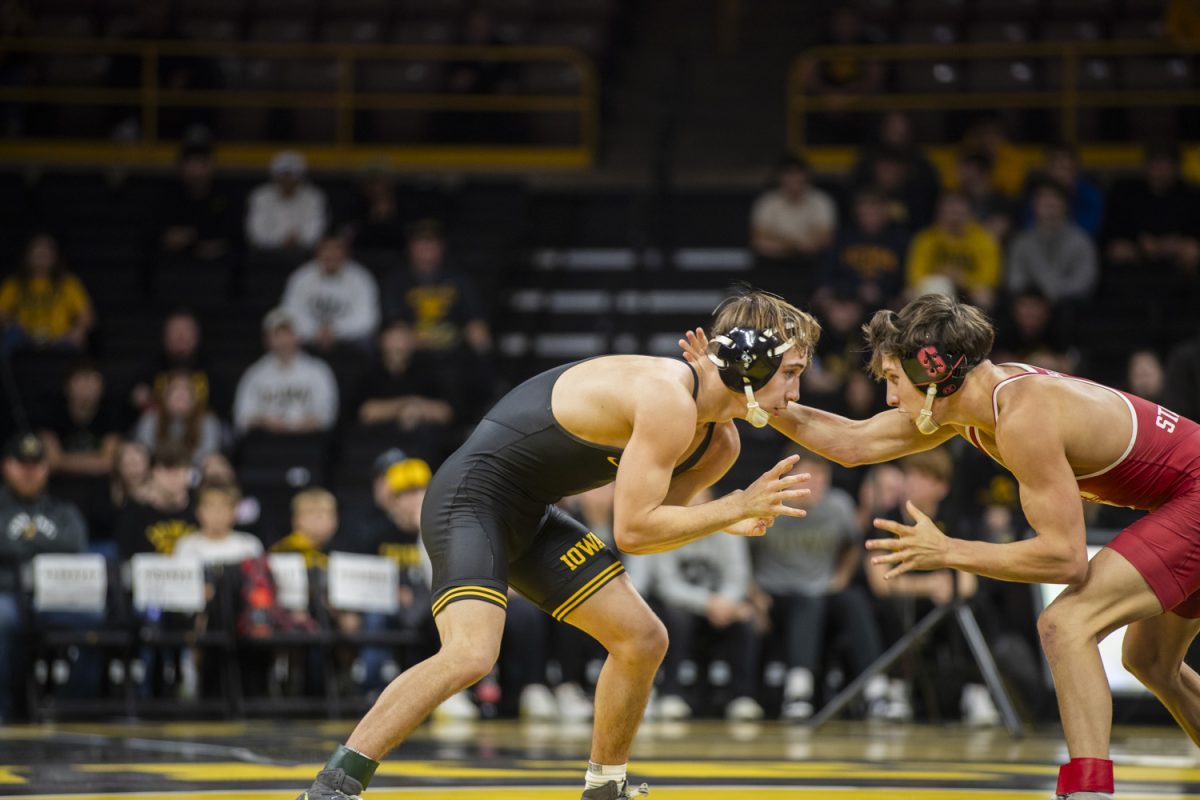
314 521
216 542
180 419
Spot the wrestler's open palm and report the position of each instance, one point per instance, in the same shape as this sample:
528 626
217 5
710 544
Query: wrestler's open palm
695 349
921 545
774 491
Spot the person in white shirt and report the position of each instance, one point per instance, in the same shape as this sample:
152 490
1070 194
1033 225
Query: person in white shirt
288 211
287 390
217 542
333 299
795 219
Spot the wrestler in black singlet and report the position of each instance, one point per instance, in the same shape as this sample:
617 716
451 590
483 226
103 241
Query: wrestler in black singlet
488 521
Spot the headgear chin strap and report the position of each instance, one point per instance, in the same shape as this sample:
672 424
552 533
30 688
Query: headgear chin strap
747 359
941 373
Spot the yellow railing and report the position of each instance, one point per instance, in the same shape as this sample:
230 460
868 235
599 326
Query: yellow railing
344 102
1068 97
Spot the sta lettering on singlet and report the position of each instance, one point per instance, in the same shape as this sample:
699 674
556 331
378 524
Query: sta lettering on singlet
579 553
1166 420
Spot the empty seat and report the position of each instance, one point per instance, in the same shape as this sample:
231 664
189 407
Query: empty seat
929 33
399 76
509 6
1145 9
423 8
1007 9
289 459
1083 30
351 31
1081 9
1094 74
1000 75
60 70
928 76
937 9
285 8
588 37
593 9
209 29
996 31
1139 29
279 29
1174 72
424 31
64 26
551 77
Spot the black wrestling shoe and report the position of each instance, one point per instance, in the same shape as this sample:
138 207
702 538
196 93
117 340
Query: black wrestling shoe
615 791
334 784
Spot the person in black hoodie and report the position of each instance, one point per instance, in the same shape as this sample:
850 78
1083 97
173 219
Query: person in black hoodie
868 254
155 521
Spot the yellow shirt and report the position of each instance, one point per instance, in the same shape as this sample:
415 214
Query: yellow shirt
971 260
46 311
297 542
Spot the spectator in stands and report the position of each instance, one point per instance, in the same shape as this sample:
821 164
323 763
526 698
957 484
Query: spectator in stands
958 249
333 299
705 588
839 351
288 212
31 522
1055 255
1009 167
198 222
793 224
441 306
805 570
216 468
868 253
314 522
154 519
180 351
1085 197
842 80
130 474
927 477
78 427
287 390
180 419
991 207
407 389
44 306
1028 332
897 166
1181 386
1144 375
1151 221
391 527
377 221
215 541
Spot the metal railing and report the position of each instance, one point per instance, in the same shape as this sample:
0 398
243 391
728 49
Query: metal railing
1065 92
344 100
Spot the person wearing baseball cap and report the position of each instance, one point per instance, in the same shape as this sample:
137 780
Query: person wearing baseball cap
287 212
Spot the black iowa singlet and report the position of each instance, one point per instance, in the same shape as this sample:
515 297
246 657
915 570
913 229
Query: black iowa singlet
488 520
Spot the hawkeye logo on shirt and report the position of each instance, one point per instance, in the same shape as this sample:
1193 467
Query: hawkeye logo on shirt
581 551
613 460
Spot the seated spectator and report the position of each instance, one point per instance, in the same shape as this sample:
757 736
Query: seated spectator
958 249
180 419
44 306
898 167
180 350
1055 255
408 389
1084 196
1151 221
333 299
197 221
1144 375
805 570
839 352
989 205
78 427
1029 333
842 80
31 522
377 220
287 390
288 212
440 305
793 224
868 253
155 518
215 541
216 468
127 483
927 478
314 522
705 588
1009 167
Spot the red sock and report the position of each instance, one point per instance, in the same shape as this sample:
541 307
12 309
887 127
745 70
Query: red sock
1085 775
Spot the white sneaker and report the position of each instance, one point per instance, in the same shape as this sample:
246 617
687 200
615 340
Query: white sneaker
457 707
875 695
537 702
743 709
899 708
797 710
797 695
673 708
977 706
573 704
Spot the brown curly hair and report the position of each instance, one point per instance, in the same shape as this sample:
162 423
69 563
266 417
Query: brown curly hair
955 327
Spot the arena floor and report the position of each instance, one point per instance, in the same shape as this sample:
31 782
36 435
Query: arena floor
509 760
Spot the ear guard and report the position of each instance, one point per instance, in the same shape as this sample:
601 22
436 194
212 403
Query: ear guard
746 360
941 374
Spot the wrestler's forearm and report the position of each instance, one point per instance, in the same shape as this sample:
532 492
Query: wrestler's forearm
853 442
1033 560
668 527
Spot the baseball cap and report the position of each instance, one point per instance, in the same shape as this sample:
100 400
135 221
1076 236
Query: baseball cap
402 472
277 318
288 162
25 447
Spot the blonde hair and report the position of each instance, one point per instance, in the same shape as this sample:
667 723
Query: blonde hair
312 497
225 489
763 311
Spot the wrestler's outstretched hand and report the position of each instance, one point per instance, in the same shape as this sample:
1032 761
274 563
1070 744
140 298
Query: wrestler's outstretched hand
770 495
695 349
921 545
